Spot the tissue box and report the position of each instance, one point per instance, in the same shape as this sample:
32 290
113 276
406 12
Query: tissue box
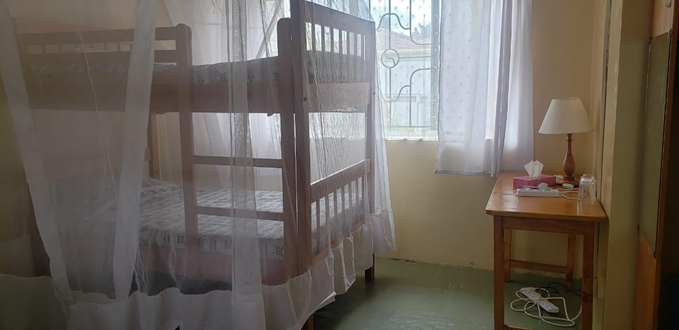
522 181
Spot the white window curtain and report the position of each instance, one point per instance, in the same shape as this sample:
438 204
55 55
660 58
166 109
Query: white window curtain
486 87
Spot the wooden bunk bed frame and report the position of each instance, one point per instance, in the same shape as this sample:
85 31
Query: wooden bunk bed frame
174 91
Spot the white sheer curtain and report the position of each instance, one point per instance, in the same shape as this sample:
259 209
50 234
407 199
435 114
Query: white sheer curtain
220 35
88 222
486 86
104 203
126 251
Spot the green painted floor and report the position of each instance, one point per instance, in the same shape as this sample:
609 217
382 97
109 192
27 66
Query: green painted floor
407 295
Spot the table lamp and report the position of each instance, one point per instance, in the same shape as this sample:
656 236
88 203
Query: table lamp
566 116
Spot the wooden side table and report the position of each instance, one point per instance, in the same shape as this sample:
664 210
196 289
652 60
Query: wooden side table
557 215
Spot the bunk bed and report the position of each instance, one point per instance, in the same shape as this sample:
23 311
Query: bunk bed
58 77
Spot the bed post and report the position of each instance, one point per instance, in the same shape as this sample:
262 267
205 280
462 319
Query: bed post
287 110
184 87
300 100
301 103
370 134
154 158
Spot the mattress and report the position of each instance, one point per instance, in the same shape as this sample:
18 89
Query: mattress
162 219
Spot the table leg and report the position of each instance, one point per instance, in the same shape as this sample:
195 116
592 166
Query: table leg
508 253
588 280
309 325
570 263
370 272
498 274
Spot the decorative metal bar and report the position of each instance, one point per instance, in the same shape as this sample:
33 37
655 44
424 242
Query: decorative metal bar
391 54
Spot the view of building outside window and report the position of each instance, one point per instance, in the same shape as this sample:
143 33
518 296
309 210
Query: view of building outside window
407 55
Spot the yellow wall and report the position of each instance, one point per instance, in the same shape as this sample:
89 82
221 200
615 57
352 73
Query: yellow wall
440 218
562 67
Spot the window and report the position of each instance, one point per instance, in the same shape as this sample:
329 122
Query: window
407 55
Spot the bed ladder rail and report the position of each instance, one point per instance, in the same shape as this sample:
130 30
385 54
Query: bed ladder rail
239 162
189 160
192 208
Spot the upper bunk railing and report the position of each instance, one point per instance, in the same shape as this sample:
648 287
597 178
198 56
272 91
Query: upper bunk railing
339 65
62 69
65 71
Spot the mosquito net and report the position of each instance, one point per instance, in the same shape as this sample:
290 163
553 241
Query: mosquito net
201 164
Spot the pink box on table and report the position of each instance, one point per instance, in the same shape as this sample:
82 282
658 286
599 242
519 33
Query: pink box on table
525 180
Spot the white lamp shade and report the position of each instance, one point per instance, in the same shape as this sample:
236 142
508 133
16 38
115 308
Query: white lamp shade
566 116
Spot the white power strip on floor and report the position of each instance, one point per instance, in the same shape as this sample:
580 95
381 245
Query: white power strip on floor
532 299
537 298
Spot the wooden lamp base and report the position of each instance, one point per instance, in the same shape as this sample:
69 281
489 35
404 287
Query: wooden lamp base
569 167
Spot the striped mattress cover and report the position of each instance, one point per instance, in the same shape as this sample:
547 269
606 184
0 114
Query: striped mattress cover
162 219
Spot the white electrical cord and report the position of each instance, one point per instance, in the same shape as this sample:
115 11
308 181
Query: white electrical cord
563 193
563 322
